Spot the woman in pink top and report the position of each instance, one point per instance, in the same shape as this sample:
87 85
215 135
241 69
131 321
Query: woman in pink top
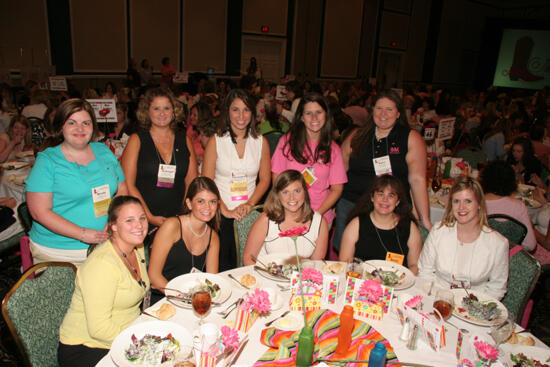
308 148
498 180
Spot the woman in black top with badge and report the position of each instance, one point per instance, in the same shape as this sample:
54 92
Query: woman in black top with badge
385 145
159 162
381 226
189 240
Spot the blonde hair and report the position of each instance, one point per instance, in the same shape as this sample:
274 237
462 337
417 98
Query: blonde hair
466 183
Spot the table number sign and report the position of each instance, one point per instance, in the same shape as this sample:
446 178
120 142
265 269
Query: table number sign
372 307
104 109
58 83
446 128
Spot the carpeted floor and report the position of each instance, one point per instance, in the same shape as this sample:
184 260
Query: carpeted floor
10 272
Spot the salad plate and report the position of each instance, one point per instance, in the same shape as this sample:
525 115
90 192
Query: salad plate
181 344
291 322
394 275
531 355
186 282
486 311
285 262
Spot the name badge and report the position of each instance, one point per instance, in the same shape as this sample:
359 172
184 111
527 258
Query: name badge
238 187
460 283
309 176
166 175
101 197
395 258
382 165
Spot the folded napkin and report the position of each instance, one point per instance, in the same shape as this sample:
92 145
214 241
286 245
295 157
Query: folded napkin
326 324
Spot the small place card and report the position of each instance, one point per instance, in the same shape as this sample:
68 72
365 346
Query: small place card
363 306
433 330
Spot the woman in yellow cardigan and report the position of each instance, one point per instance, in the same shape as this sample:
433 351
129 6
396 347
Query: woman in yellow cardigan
109 288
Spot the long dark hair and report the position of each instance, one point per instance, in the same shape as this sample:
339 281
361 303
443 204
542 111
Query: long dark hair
199 184
402 210
225 123
365 133
297 145
528 151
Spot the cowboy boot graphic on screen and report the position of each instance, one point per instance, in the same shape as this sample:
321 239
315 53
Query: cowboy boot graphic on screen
522 54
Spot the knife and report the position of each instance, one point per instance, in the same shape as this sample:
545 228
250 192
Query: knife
236 280
257 268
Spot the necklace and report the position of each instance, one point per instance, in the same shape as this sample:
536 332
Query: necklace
382 242
188 222
125 258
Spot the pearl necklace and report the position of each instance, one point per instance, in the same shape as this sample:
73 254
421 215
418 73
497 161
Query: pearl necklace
188 222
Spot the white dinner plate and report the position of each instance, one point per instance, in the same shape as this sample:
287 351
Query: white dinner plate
536 353
279 259
406 282
186 282
291 322
460 311
159 328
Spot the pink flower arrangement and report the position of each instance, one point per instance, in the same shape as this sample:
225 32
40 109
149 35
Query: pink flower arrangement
230 337
312 275
371 289
294 232
257 301
414 302
486 351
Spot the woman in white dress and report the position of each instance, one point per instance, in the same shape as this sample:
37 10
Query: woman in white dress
287 206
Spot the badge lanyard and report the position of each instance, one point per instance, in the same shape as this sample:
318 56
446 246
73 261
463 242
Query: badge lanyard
391 256
467 277
238 186
167 172
382 165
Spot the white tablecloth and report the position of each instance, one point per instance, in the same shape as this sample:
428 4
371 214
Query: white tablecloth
389 327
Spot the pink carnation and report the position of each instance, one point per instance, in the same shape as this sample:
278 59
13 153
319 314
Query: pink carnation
257 301
313 275
371 289
414 302
486 351
230 337
294 232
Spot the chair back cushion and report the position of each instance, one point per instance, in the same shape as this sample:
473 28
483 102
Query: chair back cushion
509 227
523 275
37 308
241 232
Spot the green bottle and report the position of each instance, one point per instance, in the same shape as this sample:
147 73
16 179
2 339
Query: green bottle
304 355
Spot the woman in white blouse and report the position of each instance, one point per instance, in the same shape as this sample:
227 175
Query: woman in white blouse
462 250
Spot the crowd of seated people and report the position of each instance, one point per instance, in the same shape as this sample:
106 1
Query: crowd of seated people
350 165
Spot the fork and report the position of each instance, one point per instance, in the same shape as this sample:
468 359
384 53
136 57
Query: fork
237 304
258 261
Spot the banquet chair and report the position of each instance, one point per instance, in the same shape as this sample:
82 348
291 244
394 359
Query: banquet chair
34 309
523 275
509 227
272 138
241 231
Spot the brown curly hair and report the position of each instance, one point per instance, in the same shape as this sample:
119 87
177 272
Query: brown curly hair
143 109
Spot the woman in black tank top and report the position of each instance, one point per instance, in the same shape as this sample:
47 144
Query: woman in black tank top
189 240
381 226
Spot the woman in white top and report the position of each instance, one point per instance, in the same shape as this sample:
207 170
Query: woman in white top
287 206
462 250
237 158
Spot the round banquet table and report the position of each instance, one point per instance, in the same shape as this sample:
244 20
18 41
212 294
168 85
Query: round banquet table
389 326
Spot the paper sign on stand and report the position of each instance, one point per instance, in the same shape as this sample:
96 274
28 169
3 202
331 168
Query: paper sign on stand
446 128
429 133
433 330
58 83
364 307
317 294
104 109
281 93
181 77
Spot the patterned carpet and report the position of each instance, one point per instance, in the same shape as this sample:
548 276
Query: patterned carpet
10 272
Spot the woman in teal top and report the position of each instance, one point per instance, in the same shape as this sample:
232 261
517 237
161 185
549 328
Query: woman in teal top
70 187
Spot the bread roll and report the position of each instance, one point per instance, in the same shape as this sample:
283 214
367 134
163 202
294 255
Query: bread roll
165 312
526 340
248 280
